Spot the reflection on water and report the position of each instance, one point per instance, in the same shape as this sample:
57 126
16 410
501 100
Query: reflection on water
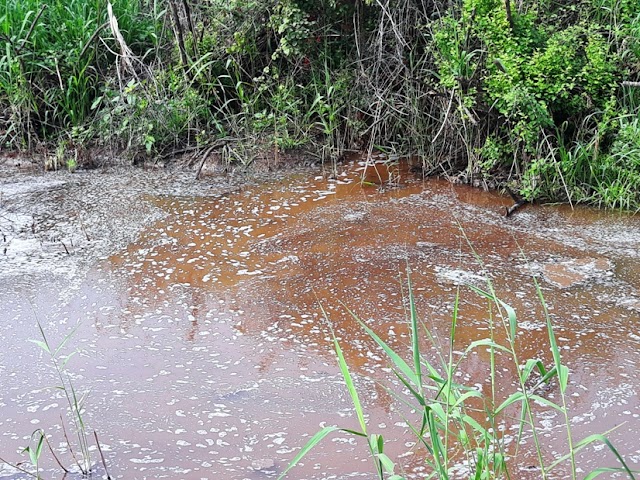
206 353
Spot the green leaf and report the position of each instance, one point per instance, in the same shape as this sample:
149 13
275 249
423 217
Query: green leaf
486 342
598 437
380 443
513 322
96 102
466 395
40 444
511 313
599 471
474 424
344 368
415 343
34 454
42 345
386 462
417 395
546 402
563 377
313 441
513 398
395 358
439 411
66 360
528 368
549 375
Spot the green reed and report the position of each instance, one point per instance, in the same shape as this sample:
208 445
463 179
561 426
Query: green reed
75 402
448 428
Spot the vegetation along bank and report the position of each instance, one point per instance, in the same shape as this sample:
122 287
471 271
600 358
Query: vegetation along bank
542 96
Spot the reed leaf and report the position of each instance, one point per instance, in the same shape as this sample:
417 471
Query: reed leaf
313 441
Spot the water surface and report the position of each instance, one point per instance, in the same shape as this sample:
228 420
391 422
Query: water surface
206 355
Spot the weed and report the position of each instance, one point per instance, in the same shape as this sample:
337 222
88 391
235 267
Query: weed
75 402
50 66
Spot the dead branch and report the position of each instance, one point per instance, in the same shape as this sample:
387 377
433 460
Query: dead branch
104 463
125 52
519 202
33 25
179 33
205 155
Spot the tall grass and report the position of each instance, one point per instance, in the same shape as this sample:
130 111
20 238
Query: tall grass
457 423
54 61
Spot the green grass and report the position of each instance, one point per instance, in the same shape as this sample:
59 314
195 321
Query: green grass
457 422
55 58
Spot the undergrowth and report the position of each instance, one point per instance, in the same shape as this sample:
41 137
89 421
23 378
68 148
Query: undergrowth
541 96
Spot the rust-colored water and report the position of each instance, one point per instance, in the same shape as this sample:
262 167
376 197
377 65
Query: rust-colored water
207 356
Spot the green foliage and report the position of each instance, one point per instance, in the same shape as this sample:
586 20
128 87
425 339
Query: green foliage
34 449
52 62
151 119
547 74
532 94
584 172
291 27
618 181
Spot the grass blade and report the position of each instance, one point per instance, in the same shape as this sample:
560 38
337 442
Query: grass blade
511 313
415 343
344 369
406 370
513 398
350 387
313 441
597 437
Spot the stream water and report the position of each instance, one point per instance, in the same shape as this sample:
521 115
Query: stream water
205 353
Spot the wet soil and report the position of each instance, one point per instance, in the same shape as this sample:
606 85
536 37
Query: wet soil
202 342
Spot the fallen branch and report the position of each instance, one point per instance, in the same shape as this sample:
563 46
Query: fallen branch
630 84
519 202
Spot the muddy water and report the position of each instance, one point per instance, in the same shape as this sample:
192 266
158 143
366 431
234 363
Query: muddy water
206 354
